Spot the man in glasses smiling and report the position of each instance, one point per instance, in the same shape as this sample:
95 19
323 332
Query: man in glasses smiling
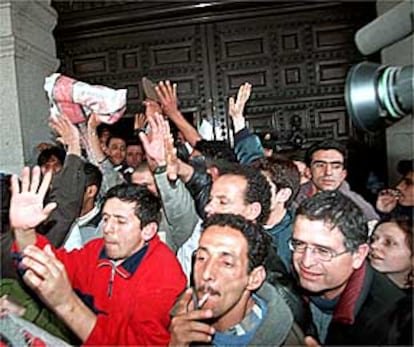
329 250
327 161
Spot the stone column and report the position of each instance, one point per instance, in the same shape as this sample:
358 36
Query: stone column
27 56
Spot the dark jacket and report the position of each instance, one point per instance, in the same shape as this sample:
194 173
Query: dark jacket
359 316
247 146
280 234
199 185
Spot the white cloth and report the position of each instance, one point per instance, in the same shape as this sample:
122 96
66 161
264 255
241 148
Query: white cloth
78 99
79 235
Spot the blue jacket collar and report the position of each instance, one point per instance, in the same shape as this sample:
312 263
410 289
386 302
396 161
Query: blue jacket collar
128 267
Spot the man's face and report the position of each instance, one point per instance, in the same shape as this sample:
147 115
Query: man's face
327 278
121 229
116 150
228 196
53 164
145 178
134 155
406 188
327 169
221 269
390 252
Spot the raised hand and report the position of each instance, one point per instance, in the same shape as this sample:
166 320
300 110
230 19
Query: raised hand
167 94
154 144
236 108
69 133
151 108
387 200
46 275
93 122
140 121
187 325
26 204
171 155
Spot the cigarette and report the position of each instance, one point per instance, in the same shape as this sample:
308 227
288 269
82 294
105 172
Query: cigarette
203 300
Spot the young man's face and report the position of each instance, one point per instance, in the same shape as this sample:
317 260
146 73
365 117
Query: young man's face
116 150
390 252
122 231
145 178
228 196
53 164
325 278
406 188
327 169
134 155
221 270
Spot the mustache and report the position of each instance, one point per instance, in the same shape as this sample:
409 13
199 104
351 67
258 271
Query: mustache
207 289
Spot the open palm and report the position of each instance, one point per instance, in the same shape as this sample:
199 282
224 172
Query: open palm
26 204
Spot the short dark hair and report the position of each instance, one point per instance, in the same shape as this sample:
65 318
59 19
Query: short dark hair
257 188
102 128
339 211
147 207
215 150
257 240
326 145
283 173
47 153
133 142
114 136
93 176
405 166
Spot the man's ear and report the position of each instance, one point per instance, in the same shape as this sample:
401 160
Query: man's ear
344 174
256 278
283 195
360 255
149 231
214 172
255 208
91 191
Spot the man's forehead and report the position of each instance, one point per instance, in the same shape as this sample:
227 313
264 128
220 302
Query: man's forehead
116 140
117 205
232 181
328 154
224 237
316 229
134 148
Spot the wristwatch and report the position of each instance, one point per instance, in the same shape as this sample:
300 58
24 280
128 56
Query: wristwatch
160 169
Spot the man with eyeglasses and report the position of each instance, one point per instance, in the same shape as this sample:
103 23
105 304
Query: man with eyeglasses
327 162
348 299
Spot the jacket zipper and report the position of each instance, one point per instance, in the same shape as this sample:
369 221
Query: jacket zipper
111 279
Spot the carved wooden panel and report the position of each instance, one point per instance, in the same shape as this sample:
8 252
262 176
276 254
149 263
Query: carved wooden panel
297 65
120 61
296 56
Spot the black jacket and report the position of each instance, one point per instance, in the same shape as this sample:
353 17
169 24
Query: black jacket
361 315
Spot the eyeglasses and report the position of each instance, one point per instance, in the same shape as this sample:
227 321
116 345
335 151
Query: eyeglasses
321 164
319 252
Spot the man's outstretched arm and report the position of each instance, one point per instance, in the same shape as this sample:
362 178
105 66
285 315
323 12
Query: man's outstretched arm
43 272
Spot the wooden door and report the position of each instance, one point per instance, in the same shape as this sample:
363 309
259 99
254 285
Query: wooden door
296 55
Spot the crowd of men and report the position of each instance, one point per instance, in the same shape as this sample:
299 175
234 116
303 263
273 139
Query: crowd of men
170 239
